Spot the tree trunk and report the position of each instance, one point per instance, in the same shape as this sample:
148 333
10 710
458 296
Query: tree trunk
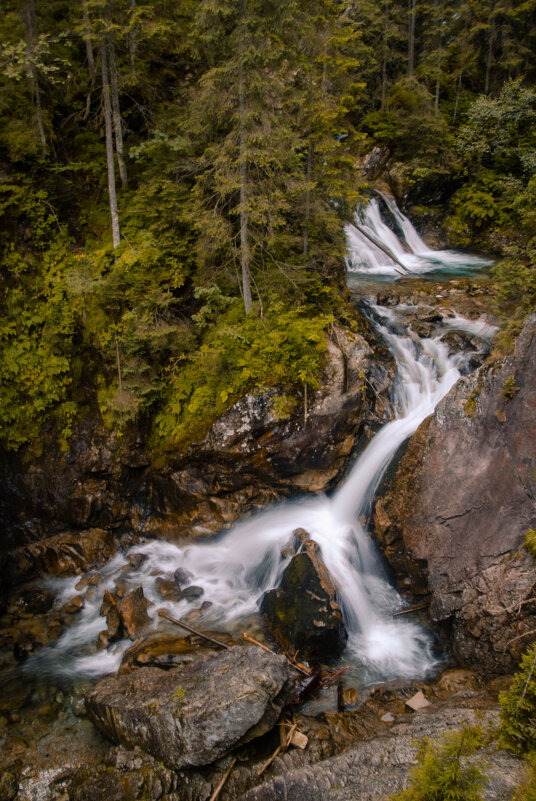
87 39
116 112
459 89
245 256
133 40
411 43
31 74
489 60
89 53
438 83
308 176
109 145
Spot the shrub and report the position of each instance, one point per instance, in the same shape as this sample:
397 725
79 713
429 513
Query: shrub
442 774
518 715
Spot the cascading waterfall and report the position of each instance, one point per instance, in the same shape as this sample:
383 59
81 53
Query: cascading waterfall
235 569
366 258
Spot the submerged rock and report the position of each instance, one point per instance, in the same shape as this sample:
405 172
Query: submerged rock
457 512
303 613
194 714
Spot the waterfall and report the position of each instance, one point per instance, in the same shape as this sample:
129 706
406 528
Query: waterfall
411 250
236 568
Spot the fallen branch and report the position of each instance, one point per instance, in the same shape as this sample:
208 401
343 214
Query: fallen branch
278 750
414 608
264 647
223 779
519 637
165 613
330 678
381 246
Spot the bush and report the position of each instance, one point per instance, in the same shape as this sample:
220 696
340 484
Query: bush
518 715
442 774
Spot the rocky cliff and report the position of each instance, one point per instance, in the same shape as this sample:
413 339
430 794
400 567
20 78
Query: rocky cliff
455 516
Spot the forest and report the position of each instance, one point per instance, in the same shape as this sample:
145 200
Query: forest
175 177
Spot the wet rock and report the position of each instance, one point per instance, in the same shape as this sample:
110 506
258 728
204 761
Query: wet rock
61 555
303 613
165 650
193 592
376 162
182 576
73 606
36 600
133 612
193 715
168 590
297 539
136 560
103 640
126 616
9 783
456 513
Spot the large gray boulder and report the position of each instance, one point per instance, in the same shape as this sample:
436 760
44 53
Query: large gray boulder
194 714
457 512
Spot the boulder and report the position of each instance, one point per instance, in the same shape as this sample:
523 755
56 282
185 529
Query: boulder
62 555
456 513
126 616
194 714
168 590
302 613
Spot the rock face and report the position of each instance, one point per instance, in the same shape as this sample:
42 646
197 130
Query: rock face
249 457
456 514
192 715
303 613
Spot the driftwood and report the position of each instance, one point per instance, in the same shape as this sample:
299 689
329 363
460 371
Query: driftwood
222 781
279 749
264 647
331 677
375 241
414 608
164 613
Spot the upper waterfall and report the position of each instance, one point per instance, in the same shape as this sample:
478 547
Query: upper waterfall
411 254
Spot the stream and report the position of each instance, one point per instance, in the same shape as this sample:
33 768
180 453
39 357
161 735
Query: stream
238 566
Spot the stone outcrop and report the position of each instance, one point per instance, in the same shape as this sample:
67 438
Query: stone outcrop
455 516
61 555
303 613
194 714
248 458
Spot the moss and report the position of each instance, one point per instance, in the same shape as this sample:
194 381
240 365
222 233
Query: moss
509 388
530 542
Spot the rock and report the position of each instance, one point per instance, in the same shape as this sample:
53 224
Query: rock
9 783
103 640
168 590
165 650
182 576
297 539
35 600
376 162
417 701
133 613
136 560
126 616
456 513
61 555
193 593
302 613
73 606
388 718
193 715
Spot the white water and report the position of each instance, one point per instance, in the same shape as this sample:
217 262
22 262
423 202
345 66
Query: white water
235 569
411 250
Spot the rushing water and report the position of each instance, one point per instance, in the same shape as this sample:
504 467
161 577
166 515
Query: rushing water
237 567
366 258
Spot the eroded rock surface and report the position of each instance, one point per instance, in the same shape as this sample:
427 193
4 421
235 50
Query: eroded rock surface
303 613
193 715
457 512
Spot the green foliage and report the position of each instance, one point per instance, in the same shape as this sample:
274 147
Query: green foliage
509 388
530 542
237 355
518 707
527 791
442 773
